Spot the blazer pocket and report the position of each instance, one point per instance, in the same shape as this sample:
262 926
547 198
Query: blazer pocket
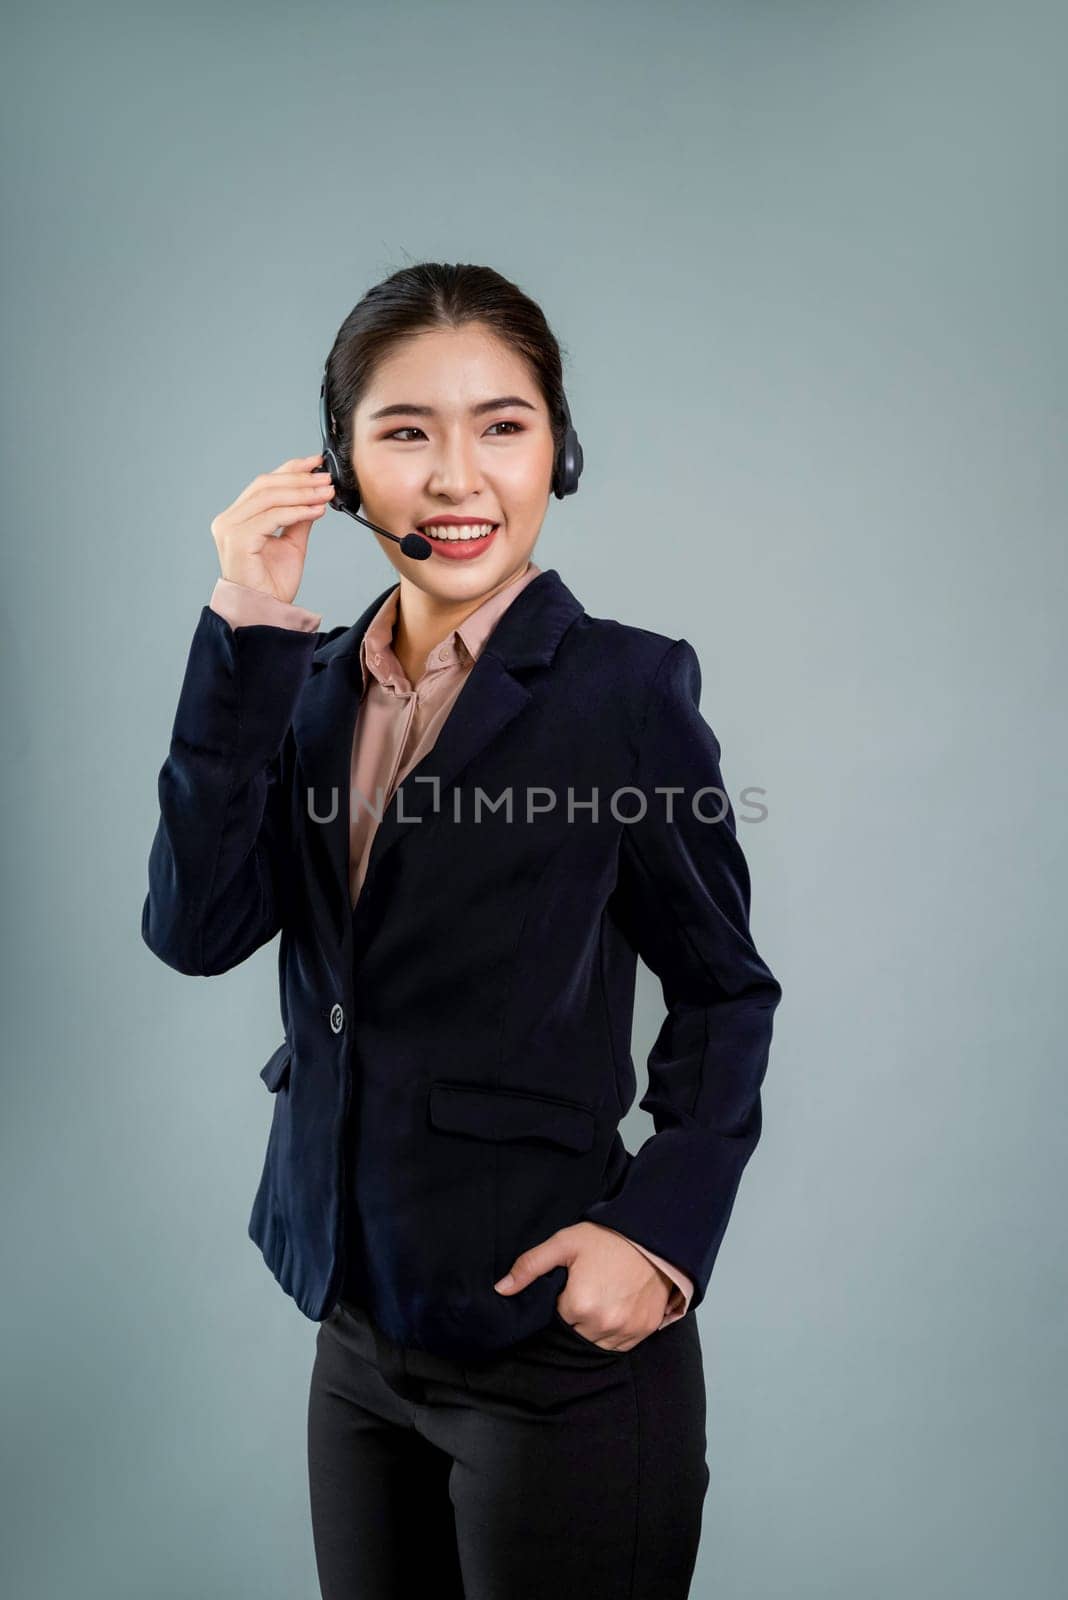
506 1114
276 1071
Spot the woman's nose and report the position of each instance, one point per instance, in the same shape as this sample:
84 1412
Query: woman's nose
456 471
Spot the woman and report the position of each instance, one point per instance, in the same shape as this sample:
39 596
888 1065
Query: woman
508 1389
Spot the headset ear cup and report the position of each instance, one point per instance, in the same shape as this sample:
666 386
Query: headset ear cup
345 499
568 467
574 466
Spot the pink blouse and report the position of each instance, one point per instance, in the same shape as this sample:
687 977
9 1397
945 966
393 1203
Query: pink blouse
397 724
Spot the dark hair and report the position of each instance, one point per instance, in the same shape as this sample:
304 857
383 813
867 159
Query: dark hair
435 294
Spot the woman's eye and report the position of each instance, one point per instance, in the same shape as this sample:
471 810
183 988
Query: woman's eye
503 424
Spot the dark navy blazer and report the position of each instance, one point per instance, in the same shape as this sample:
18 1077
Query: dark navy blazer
457 1052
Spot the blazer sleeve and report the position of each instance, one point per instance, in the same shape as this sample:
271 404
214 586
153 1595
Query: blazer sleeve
217 863
682 899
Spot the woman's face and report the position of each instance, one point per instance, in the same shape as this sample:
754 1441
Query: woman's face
468 436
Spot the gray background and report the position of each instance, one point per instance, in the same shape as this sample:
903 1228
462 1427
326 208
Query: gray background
807 261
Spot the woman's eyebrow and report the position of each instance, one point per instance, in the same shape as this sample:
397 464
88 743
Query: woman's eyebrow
403 409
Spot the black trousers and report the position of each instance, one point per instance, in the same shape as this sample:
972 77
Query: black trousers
554 1471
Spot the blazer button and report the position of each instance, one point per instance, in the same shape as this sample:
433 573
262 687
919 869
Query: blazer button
337 1019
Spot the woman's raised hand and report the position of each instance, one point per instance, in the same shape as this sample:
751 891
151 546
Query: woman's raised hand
291 498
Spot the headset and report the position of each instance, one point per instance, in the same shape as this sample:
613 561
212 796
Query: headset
567 469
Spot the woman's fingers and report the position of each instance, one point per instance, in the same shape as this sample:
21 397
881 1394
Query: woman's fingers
289 497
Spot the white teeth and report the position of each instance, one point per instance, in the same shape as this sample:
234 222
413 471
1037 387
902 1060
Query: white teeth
442 531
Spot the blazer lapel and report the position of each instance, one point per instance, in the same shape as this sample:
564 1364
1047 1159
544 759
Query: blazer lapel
323 726
493 694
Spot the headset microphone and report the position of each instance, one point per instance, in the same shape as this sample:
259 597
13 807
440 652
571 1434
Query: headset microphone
567 468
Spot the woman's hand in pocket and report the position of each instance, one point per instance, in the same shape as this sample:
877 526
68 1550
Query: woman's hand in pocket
614 1297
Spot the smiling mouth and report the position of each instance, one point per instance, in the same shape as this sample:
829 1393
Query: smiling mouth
455 533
